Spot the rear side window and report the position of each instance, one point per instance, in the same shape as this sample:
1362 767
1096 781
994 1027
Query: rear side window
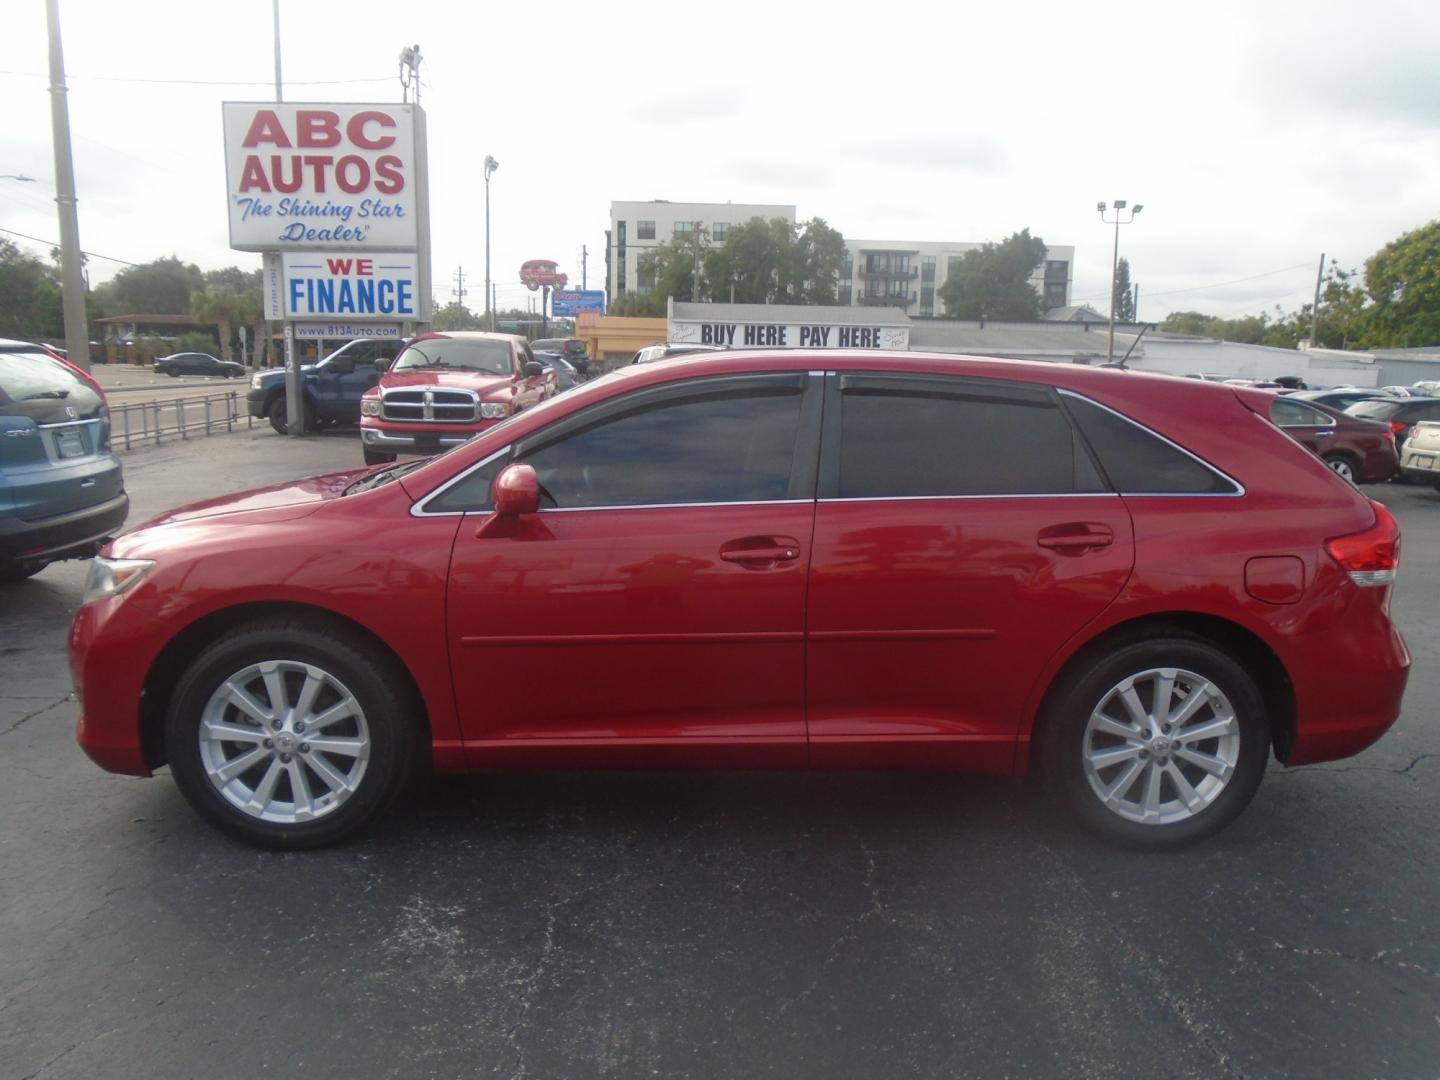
919 437
1287 413
1139 462
1374 410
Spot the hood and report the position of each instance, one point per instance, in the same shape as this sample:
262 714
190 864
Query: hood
294 499
481 382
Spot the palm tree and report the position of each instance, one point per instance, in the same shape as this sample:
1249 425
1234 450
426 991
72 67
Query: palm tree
219 308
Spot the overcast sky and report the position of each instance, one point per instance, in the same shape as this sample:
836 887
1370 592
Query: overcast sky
1256 134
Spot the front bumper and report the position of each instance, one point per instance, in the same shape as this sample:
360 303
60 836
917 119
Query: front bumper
255 401
418 440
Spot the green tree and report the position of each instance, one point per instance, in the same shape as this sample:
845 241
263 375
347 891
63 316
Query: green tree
219 308
30 304
775 262
162 287
1124 298
233 279
456 316
993 281
1403 281
637 306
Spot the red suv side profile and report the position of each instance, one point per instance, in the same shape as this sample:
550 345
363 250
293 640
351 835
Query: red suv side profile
1136 585
444 388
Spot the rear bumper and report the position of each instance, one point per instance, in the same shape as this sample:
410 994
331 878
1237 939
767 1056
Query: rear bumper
73 535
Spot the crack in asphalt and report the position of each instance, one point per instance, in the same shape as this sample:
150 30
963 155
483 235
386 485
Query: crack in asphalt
1335 954
1326 768
38 712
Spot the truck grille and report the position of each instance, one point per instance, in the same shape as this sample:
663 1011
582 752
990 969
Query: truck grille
435 406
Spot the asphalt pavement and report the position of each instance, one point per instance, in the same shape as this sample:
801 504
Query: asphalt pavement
682 925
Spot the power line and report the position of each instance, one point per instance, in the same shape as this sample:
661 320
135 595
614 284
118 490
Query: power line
52 243
203 82
1217 285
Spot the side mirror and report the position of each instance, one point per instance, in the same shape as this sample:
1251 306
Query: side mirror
534 369
516 491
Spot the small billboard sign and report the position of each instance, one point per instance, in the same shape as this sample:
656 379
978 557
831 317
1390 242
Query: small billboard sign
566 304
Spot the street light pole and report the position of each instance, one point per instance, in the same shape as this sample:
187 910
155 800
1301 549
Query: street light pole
490 166
1119 207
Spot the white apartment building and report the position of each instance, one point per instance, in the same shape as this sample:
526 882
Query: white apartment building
908 274
636 227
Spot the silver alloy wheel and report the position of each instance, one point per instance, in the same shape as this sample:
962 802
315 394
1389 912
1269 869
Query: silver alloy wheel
1343 468
284 741
1161 746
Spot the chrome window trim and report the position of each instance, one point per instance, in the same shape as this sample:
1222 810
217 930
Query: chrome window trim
966 498
418 509
674 506
1239 491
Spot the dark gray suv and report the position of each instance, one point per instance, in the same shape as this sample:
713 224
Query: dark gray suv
62 492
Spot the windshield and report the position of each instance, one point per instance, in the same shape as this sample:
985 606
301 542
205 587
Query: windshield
457 354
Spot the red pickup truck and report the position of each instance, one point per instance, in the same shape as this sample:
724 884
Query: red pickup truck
444 388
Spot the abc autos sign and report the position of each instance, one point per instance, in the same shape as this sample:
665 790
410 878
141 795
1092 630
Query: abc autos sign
331 177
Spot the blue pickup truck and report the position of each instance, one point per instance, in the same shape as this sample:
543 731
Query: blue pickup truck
333 387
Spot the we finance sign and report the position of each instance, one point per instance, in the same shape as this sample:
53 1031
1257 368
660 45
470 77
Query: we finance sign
331 285
322 176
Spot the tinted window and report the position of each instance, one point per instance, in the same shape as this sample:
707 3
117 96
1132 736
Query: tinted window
1285 413
933 437
1139 462
728 446
471 493
34 385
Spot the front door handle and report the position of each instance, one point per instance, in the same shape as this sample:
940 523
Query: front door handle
1074 537
756 552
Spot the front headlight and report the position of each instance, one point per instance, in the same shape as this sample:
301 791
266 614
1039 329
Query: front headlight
109 577
494 410
370 406
255 383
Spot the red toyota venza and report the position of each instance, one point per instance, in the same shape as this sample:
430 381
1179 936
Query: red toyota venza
1137 587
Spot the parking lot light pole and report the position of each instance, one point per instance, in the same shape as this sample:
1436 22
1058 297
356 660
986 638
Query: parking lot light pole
1119 207
490 166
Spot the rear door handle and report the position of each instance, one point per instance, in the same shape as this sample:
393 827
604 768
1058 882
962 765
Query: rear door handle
759 551
1074 537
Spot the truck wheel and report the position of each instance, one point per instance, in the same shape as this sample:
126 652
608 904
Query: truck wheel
279 419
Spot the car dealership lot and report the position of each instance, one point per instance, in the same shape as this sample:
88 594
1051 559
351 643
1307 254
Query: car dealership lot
702 925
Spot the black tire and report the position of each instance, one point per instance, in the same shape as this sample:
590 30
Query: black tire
1436 486
376 457
372 677
1344 466
279 417
173 374
19 571
1085 688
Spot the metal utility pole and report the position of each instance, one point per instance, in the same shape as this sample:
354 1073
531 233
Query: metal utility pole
278 95
460 292
77 336
584 258
490 166
1315 308
1118 206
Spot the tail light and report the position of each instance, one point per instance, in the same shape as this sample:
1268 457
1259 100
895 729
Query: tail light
1370 557
1397 428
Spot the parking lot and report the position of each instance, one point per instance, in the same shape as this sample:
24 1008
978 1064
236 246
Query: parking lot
674 925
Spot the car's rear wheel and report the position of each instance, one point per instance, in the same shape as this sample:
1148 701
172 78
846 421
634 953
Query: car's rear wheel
1343 466
376 457
291 735
1158 744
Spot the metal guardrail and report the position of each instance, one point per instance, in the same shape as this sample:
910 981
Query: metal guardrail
176 418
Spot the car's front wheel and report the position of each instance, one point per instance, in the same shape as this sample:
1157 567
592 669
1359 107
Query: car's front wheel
288 734
1158 744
